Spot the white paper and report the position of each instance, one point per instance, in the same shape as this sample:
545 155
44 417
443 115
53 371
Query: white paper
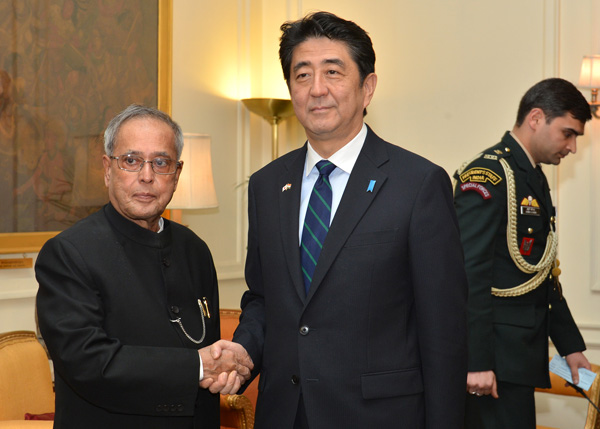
558 365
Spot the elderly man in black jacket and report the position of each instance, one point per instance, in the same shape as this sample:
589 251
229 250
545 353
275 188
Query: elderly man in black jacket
128 302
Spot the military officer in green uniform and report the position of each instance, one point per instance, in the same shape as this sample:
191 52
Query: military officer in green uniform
507 225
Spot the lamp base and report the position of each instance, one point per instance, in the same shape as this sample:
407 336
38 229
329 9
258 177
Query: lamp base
175 215
273 110
594 105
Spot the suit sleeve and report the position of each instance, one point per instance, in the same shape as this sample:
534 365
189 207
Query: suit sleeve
250 332
120 378
440 288
480 220
564 332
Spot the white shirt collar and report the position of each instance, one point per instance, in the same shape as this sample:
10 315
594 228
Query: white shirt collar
344 159
161 225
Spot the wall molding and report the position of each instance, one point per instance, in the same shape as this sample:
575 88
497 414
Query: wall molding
551 38
591 334
18 294
595 169
594 226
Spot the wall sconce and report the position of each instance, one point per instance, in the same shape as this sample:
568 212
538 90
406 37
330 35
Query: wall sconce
273 110
196 187
590 79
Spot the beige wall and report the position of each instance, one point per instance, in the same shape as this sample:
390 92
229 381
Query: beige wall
450 73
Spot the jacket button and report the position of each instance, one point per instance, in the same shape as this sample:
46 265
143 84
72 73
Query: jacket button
304 330
175 309
295 379
180 408
166 262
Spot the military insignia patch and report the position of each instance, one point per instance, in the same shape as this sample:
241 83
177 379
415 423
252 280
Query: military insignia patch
498 151
489 156
480 175
526 246
477 187
530 206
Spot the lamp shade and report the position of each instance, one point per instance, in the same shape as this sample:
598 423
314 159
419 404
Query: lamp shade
196 188
590 72
270 108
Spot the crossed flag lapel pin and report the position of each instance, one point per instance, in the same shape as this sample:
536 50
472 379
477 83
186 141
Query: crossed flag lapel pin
286 187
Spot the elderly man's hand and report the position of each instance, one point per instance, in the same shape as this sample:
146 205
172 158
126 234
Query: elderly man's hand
226 365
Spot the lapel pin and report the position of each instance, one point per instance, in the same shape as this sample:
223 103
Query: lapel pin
286 187
371 186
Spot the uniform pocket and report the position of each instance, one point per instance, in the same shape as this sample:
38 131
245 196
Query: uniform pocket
514 314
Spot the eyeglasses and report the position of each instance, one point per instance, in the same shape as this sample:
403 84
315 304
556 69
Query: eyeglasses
135 163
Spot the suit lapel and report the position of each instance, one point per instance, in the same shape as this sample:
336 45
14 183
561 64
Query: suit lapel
355 201
547 203
289 209
535 179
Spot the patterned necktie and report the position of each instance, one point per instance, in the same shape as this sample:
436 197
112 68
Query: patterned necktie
316 222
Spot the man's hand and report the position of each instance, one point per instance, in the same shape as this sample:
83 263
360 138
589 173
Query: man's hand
226 366
575 361
482 383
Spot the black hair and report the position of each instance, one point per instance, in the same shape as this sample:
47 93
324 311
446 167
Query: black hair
556 97
325 24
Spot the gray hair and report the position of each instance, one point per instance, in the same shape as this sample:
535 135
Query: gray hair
137 111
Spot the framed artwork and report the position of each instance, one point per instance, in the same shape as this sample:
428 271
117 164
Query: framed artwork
66 68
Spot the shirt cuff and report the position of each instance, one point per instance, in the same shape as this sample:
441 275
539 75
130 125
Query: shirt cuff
201 368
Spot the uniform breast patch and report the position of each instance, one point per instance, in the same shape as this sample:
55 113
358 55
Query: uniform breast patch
477 187
530 206
480 175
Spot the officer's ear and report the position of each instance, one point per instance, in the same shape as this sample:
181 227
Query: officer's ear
536 118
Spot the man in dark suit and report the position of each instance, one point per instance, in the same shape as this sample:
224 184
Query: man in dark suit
356 310
507 224
128 303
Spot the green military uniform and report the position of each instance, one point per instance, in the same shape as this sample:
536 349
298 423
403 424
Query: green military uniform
515 304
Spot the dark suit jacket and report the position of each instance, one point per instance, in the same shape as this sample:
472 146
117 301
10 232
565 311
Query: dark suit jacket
380 340
509 335
108 290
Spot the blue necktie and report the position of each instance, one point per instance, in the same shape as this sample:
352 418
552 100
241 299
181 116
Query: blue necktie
316 222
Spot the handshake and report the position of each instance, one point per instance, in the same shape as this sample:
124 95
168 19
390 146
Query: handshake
226 367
